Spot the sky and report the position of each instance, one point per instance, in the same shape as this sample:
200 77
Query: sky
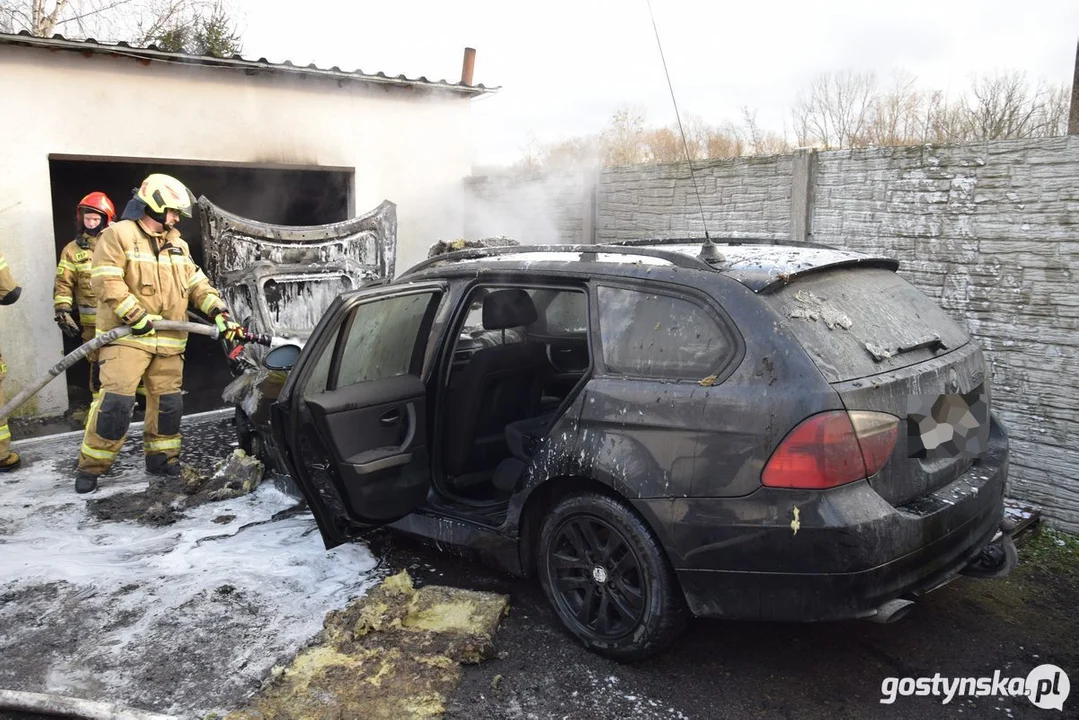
566 67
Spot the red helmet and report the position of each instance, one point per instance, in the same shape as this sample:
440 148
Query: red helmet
98 202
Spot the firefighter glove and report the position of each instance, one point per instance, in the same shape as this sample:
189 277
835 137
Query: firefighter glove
67 323
145 326
231 331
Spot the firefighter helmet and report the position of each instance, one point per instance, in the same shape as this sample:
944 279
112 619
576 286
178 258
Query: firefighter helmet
98 202
164 192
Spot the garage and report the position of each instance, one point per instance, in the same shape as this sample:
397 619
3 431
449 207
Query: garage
274 142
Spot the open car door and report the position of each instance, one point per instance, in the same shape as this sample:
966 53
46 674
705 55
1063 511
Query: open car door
352 417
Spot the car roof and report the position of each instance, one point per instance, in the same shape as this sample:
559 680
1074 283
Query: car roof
760 266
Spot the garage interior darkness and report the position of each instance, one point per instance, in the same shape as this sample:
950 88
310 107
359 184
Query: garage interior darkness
291 196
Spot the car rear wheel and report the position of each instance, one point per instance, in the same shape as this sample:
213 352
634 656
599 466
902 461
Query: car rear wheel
608 579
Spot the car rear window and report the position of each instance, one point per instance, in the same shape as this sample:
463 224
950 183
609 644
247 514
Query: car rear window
863 321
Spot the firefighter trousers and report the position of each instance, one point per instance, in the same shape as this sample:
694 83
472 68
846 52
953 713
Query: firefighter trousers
5 433
88 333
122 367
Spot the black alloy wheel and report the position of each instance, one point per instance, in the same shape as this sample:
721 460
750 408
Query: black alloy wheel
597 576
608 579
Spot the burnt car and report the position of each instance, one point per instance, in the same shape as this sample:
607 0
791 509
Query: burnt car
657 430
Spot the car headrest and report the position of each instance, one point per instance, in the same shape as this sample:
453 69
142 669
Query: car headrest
507 309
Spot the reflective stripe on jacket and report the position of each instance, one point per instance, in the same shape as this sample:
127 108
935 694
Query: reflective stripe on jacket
7 284
136 272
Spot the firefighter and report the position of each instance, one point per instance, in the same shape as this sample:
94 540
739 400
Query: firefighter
143 271
9 293
72 287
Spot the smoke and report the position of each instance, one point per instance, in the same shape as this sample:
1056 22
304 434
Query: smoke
550 209
554 208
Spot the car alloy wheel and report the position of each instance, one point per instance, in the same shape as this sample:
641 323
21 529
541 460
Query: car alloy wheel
597 576
608 578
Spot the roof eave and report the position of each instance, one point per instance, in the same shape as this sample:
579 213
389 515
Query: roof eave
262 65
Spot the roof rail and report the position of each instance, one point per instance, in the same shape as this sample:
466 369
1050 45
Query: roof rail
725 241
693 241
675 258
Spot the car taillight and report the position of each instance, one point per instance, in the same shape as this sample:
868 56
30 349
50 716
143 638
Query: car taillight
832 448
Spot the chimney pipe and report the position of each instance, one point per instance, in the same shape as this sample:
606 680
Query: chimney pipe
468 66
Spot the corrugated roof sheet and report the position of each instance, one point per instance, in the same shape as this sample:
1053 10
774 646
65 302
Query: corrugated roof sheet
151 52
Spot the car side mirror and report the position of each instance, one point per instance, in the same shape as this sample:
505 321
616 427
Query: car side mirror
282 357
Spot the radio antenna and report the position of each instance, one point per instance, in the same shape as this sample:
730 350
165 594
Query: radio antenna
709 251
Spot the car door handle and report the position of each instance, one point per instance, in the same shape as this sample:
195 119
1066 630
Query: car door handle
390 419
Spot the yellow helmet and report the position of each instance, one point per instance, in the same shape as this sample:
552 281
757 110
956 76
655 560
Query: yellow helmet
164 192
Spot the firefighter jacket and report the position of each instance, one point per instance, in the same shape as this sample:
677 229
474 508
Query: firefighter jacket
136 272
72 287
7 297
7 282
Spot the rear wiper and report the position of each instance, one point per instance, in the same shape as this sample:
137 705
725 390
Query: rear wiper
932 342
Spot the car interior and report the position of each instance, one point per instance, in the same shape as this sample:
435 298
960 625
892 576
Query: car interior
520 353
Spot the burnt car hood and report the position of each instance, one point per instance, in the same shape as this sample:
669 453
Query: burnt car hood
281 278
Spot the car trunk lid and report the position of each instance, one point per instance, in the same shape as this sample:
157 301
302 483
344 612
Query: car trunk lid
885 346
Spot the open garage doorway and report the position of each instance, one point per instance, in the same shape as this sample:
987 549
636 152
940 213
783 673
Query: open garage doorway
280 195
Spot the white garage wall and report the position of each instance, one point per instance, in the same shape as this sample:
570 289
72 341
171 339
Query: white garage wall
407 147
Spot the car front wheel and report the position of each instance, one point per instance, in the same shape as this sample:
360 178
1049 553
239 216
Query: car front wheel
608 578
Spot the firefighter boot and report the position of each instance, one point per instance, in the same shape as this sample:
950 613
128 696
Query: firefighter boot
11 462
110 412
85 482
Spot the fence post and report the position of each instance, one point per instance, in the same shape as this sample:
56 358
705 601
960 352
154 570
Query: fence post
588 200
1073 116
803 180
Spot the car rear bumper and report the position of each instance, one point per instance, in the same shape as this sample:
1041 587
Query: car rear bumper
798 556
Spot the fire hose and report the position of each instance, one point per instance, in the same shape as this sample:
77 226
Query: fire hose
111 336
73 707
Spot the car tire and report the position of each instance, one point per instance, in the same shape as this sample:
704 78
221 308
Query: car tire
608 578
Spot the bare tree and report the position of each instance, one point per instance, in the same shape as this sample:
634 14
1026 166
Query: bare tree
760 141
139 22
570 153
623 139
1002 106
1053 112
942 120
723 143
663 145
531 156
835 110
896 113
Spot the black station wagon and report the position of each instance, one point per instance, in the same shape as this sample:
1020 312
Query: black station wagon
656 430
